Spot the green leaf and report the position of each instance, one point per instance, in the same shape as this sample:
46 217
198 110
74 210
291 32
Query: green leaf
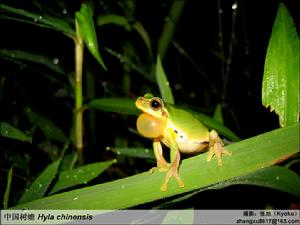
81 175
7 190
36 19
114 19
84 20
124 59
118 105
47 126
125 23
169 27
133 152
249 155
275 177
280 90
40 185
69 160
163 83
36 58
7 130
144 35
218 116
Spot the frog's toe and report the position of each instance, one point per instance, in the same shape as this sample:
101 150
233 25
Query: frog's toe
162 167
217 149
172 172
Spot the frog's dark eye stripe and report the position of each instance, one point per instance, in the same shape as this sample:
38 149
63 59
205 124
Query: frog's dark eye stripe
156 104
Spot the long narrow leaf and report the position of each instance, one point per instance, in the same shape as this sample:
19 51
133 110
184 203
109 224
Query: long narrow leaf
133 152
84 18
248 156
130 63
47 126
169 27
81 175
118 105
40 185
43 20
275 177
7 130
125 23
163 83
7 190
36 58
114 19
280 89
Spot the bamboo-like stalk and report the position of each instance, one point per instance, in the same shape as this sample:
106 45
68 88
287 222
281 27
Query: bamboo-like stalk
169 27
78 94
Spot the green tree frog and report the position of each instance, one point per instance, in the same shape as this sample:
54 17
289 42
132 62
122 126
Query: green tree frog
179 130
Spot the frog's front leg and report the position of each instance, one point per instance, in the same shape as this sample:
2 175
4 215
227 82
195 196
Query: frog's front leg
161 163
216 147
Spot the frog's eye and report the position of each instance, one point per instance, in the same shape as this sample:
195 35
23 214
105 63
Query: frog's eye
156 104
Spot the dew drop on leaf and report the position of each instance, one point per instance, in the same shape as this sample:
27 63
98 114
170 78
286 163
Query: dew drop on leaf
64 11
234 6
55 61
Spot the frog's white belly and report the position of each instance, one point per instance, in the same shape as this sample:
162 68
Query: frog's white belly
187 145
192 147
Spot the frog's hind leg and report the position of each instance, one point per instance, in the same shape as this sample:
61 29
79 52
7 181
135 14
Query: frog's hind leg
216 147
173 170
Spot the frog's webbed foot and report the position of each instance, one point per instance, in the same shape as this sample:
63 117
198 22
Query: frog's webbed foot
216 147
172 172
162 166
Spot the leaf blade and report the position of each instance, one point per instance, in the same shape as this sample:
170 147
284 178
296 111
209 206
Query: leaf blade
81 175
40 185
248 156
36 19
47 126
280 88
9 131
163 83
133 152
36 58
117 105
7 190
84 19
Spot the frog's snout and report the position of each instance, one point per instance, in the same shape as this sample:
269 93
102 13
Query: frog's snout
140 103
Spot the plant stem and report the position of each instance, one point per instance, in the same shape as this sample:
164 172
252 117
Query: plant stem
169 27
78 94
230 52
